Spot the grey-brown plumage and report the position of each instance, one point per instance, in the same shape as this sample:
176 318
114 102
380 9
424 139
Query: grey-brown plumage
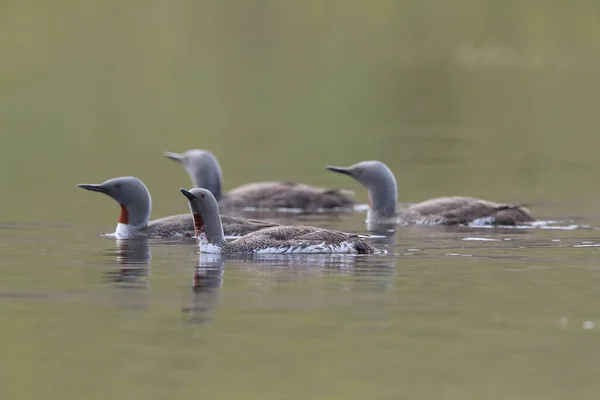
274 195
205 172
136 206
298 238
279 239
463 210
183 224
381 183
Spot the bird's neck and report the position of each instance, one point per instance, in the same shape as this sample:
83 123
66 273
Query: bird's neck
134 218
382 200
210 227
209 178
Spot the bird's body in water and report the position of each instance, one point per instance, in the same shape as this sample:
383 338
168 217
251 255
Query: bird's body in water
136 206
279 239
454 210
205 172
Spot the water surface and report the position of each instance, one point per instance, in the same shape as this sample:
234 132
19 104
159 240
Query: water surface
452 313
490 99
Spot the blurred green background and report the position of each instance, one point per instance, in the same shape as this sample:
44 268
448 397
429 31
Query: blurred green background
484 98
495 99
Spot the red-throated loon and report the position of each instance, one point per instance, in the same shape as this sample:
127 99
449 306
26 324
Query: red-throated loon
136 205
205 172
279 239
381 184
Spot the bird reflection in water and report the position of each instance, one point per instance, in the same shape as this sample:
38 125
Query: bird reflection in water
133 264
373 273
206 287
131 273
270 270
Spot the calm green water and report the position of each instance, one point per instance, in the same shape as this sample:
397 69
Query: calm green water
490 99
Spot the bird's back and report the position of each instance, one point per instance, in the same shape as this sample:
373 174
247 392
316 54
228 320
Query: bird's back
298 238
175 225
183 225
233 226
273 195
458 210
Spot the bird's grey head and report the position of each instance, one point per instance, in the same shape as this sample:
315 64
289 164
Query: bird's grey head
368 173
130 193
202 167
205 210
379 180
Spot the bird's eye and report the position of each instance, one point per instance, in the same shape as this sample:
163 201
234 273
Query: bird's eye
118 186
202 195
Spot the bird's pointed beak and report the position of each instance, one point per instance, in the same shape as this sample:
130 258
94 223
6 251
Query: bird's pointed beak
341 170
93 187
174 156
187 194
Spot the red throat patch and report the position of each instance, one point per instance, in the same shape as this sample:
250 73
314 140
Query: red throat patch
198 224
197 280
124 217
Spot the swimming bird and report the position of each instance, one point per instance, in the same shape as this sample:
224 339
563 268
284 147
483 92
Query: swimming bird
136 205
278 239
381 184
205 172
